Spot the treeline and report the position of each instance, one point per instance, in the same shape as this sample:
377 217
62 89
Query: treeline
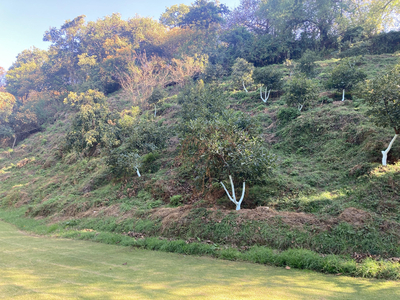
142 55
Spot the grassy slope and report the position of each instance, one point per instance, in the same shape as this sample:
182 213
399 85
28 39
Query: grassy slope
41 268
328 193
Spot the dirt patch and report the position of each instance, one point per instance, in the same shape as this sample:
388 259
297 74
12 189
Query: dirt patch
354 216
169 216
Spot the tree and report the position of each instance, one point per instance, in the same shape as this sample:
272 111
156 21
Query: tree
157 95
137 136
173 16
382 95
270 77
65 48
204 13
242 72
7 102
94 124
201 100
26 73
227 146
345 76
2 78
299 91
372 16
307 63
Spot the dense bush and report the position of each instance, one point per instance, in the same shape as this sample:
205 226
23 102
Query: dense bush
300 91
93 125
307 63
346 75
201 100
242 72
269 76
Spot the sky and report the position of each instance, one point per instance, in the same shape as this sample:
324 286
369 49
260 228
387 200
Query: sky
23 22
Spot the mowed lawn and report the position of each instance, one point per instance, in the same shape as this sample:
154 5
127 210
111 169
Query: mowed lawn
34 267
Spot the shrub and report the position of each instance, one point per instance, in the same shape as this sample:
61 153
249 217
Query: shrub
307 63
175 200
269 76
201 100
345 75
242 71
287 114
300 91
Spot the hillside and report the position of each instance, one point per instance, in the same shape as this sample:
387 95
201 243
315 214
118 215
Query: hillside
327 192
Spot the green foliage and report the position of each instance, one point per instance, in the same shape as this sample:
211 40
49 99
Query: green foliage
300 91
173 15
175 200
93 125
214 72
242 71
204 13
345 75
307 63
287 114
141 137
269 76
158 94
382 95
226 145
201 100
149 162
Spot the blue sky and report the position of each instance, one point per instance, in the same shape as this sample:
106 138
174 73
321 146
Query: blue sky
23 22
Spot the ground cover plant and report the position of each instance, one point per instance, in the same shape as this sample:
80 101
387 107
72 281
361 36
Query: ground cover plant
64 268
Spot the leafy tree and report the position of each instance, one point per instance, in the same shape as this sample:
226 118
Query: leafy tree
94 124
227 146
247 15
269 76
204 13
242 72
64 50
200 100
136 137
26 73
2 79
307 63
173 16
157 95
345 75
299 91
7 102
382 95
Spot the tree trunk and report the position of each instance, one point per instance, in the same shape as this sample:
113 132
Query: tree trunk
15 139
384 153
137 172
233 197
343 95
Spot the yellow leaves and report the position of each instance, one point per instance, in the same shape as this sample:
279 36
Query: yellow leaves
86 60
88 98
7 102
129 117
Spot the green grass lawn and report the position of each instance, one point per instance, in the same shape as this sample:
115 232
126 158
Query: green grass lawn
33 267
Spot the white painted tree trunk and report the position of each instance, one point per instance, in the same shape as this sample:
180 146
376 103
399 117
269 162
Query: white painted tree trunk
233 197
384 153
266 97
343 95
300 106
155 110
15 139
245 88
138 173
